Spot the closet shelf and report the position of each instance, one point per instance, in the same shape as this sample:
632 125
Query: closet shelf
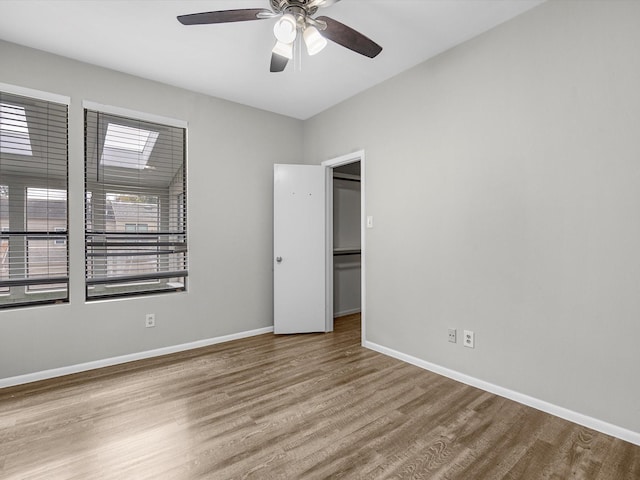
346 176
346 251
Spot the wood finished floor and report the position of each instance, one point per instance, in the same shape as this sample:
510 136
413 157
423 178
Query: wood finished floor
289 407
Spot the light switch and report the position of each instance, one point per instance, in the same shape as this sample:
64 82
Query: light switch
370 221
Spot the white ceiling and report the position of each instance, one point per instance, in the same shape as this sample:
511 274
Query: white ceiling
231 61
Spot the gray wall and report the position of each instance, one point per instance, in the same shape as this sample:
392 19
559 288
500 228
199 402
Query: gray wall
232 150
504 181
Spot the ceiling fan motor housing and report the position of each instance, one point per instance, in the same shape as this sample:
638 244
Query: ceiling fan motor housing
298 8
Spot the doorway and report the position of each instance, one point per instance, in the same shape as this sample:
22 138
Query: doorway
346 246
346 240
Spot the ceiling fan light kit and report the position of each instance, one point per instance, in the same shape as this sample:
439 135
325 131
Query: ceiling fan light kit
296 17
313 40
286 29
284 50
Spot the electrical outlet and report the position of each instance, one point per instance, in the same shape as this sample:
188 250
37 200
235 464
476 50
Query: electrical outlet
150 320
452 335
469 339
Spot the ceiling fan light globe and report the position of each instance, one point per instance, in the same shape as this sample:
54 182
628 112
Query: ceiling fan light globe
286 29
283 49
314 41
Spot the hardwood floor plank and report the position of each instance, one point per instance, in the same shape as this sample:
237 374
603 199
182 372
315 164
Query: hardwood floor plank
289 407
622 460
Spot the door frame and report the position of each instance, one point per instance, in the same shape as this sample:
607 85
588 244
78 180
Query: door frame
353 157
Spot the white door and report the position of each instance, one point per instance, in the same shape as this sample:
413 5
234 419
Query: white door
299 256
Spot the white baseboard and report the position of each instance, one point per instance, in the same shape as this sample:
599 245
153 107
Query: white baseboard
107 362
346 312
575 417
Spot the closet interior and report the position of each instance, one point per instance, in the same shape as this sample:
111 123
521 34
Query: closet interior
346 240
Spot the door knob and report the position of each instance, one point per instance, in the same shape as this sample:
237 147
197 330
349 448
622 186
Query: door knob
279 259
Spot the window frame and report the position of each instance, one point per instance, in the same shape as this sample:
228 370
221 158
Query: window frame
99 288
16 292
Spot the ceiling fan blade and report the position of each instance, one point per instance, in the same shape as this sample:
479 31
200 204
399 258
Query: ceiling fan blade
278 62
223 16
348 37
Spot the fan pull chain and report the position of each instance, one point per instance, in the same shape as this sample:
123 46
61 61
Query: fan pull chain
297 54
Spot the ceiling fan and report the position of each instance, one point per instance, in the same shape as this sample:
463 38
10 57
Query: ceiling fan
296 19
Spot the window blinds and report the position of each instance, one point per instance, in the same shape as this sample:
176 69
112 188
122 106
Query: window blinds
34 265
135 206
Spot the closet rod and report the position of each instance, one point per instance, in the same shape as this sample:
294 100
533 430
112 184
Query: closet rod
346 176
352 252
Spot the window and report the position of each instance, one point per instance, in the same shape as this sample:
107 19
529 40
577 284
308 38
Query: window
136 227
135 206
127 147
46 210
14 130
59 240
34 266
4 239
